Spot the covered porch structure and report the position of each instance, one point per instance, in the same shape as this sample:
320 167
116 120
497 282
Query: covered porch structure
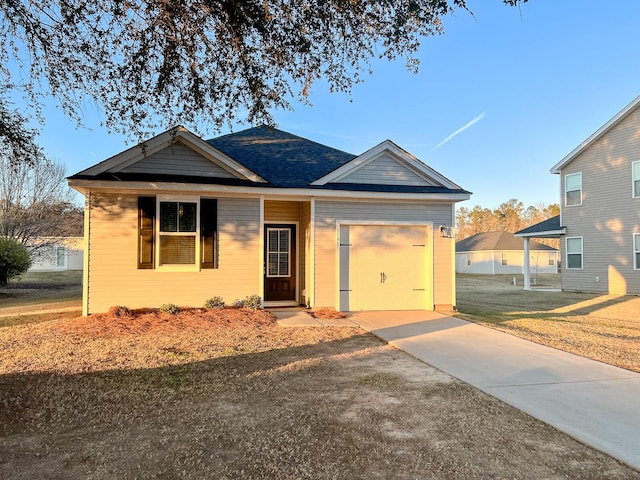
549 228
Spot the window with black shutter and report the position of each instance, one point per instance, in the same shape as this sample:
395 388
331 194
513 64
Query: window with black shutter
170 239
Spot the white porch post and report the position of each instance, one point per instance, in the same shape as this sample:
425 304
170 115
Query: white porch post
527 266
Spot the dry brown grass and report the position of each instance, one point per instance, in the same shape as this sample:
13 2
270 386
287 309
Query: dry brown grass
230 395
327 313
602 327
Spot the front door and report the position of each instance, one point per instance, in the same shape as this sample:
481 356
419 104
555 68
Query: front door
280 262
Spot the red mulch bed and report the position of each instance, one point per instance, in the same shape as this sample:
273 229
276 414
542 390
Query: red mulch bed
140 321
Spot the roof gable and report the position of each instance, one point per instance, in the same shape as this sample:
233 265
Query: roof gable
619 117
178 159
497 241
386 164
176 151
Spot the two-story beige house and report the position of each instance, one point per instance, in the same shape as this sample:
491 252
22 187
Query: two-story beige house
600 208
262 211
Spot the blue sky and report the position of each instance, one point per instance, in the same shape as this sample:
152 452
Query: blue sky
500 98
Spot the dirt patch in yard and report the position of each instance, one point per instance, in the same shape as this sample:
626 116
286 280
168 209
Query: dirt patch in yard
198 395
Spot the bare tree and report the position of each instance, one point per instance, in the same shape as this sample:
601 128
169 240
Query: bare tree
36 207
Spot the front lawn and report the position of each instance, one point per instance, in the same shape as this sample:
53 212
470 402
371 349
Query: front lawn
602 327
231 395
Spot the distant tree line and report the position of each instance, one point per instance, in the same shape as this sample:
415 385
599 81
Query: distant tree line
510 216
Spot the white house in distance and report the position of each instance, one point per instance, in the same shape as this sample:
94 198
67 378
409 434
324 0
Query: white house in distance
495 253
64 254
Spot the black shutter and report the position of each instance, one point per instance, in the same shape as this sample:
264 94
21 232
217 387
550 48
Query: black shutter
208 231
146 226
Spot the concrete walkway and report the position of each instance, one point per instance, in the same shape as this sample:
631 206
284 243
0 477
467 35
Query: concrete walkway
593 402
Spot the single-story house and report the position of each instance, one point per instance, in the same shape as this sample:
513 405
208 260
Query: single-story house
61 254
495 253
179 219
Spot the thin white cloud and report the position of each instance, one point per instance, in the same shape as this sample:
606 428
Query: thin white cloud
460 130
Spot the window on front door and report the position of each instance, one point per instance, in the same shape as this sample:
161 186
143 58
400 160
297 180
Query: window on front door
278 252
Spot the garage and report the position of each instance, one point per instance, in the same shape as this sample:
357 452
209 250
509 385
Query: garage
384 267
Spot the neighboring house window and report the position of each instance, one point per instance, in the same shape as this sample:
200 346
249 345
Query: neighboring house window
636 250
573 189
635 172
552 259
185 229
60 258
505 259
574 252
468 259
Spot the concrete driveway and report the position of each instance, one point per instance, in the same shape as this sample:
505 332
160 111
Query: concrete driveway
593 402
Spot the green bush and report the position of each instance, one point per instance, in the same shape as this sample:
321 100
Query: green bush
14 260
254 302
171 308
214 303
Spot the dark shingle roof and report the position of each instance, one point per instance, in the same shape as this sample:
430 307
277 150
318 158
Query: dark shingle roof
550 225
497 241
281 158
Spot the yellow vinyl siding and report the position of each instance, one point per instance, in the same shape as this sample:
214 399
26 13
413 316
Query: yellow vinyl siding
115 280
276 211
443 274
305 258
608 216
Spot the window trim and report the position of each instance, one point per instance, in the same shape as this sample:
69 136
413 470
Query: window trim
636 251
190 267
566 203
634 193
566 248
468 259
504 259
552 259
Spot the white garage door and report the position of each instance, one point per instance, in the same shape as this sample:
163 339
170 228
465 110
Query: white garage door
383 267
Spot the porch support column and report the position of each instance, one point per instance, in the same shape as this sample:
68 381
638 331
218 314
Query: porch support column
527 267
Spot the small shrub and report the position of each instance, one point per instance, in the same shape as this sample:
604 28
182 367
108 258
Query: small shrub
238 303
171 308
254 302
120 311
214 303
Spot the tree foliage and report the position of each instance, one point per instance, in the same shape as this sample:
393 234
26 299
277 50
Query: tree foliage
14 260
510 216
197 62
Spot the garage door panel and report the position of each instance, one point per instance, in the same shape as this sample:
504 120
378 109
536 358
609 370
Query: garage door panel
385 268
